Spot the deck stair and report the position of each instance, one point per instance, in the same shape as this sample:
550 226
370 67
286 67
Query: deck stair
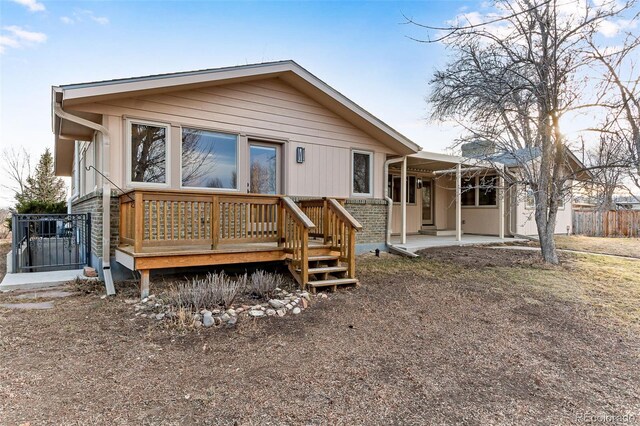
326 271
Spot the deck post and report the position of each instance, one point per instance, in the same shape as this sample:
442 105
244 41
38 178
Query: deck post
325 220
458 202
139 222
280 224
304 258
352 253
144 283
215 222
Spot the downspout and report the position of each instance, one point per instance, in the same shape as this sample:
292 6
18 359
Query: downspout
106 192
388 199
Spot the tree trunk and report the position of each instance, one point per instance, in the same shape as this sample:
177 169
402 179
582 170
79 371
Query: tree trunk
546 224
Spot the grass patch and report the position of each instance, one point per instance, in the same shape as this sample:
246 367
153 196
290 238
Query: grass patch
617 246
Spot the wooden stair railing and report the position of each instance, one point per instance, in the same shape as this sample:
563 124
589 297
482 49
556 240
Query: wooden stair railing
338 229
294 228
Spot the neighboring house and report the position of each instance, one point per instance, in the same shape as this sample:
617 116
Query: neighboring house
248 164
628 205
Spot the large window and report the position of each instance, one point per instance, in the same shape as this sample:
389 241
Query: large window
395 188
361 169
479 191
209 159
148 144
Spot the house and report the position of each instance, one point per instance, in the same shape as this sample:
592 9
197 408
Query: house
254 163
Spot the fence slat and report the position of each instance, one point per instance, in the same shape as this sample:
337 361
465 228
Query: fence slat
612 223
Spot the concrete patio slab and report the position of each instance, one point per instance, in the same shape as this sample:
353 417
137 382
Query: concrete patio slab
33 280
418 242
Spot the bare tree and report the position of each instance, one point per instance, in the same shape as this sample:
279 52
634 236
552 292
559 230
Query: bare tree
17 165
609 162
620 91
510 80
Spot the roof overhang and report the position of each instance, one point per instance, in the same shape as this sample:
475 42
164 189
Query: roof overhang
288 71
430 162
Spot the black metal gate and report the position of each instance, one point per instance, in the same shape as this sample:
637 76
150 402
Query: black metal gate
50 242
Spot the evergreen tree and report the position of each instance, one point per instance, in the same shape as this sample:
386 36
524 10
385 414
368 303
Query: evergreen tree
43 186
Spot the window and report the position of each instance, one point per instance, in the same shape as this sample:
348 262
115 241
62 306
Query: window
468 195
530 201
395 188
149 146
487 195
209 159
479 191
361 173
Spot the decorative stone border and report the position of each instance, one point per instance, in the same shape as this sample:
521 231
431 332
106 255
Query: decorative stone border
282 304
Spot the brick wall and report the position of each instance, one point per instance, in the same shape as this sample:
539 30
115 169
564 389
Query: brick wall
372 215
92 203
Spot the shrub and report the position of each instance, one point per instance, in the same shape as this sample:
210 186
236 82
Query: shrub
213 290
263 284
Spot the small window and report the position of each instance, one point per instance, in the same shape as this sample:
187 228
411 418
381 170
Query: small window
209 159
530 201
395 189
361 170
487 195
468 195
148 153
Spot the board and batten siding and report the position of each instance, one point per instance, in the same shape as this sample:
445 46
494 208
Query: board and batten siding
269 109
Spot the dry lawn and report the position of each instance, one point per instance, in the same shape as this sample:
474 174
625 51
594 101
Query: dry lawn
462 335
629 247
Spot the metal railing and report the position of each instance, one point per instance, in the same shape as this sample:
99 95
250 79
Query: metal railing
50 242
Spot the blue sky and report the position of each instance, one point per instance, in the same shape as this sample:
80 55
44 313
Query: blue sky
360 48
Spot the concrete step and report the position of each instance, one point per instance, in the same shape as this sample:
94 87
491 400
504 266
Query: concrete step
438 232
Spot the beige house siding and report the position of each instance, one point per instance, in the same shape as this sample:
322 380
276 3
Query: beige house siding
526 223
268 109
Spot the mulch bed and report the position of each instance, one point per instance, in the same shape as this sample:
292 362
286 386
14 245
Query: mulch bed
413 345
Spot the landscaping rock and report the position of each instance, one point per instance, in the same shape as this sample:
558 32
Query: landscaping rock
231 312
207 320
197 324
160 316
304 303
289 306
225 317
276 304
216 311
232 321
271 312
296 310
256 313
305 295
197 317
281 312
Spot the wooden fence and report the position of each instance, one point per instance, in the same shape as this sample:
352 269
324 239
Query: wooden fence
612 223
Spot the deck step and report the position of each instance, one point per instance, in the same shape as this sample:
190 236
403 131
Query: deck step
326 269
334 282
323 257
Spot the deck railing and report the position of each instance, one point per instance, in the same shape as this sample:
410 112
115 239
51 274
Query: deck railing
336 226
151 218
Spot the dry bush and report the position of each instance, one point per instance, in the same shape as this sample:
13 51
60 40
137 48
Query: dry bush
213 290
263 284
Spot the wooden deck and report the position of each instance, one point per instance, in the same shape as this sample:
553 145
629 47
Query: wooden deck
168 229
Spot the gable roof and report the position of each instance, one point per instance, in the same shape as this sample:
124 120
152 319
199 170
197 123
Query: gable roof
289 71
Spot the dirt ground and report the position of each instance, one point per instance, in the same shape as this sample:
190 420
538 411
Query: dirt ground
462 335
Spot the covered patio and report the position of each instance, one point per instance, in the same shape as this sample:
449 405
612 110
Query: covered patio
436 198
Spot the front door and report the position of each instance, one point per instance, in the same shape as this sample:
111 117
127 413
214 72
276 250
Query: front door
264 168
427 202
